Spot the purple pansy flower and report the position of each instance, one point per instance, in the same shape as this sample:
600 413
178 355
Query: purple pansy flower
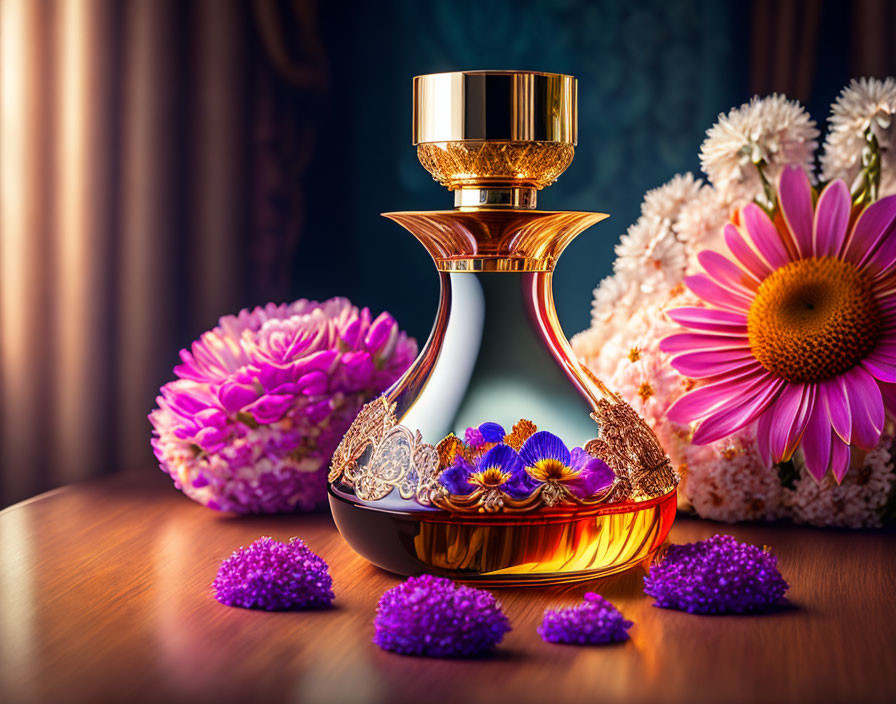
500 468
549 461
485 433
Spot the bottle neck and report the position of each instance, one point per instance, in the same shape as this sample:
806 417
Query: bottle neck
495 197
495 239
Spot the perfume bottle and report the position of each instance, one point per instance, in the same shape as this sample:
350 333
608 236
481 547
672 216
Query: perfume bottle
463 467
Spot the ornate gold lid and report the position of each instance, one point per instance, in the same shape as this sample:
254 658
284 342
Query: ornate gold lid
510 106
495 137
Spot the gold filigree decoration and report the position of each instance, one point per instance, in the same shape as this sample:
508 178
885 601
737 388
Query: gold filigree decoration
397 459
448 449
628 445
369 427
493 500
455 164
402 461
521 432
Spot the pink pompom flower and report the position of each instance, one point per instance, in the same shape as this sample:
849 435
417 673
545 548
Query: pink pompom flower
262 400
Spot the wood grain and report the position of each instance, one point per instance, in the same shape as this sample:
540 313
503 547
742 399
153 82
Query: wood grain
104 597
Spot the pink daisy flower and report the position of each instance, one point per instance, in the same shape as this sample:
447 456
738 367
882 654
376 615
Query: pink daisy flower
799 332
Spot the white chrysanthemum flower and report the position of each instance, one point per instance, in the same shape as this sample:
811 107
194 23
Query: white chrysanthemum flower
615 296
700 222
771 130
865 103
650 254
639 238
645 379
667 201
728 481
857 502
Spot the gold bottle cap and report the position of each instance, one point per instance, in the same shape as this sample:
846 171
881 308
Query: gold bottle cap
514 106
495 137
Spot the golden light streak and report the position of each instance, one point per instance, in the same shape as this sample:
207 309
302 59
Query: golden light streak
79 278
19 239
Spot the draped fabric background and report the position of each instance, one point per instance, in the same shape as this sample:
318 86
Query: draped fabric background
165 162
153 154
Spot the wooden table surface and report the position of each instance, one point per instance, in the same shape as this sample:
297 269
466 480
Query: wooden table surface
105 597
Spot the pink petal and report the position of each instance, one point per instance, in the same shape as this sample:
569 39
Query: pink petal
880 368
727 274
714 294
795 197
707 363
710 320
866 406
874 226
831 219
745 254
816 442
701 402
788 417
765 236
881 263
693 341
833 395
840 456
739 413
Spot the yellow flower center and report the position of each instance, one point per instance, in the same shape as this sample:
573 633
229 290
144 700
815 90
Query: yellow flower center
489 477
813 319
645 391
551 470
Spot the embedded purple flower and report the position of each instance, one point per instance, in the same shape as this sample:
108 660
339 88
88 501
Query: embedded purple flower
594 622
456 478
473 438
491 432
500 468
548 460
434 617
718 575
274 576
595 475
483 434
262 400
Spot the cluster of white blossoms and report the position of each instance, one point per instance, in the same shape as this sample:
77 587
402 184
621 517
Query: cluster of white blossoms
866 104
728 480
770 132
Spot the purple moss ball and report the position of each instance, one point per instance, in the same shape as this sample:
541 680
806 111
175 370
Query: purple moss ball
434 617
594 622
274 576
716 576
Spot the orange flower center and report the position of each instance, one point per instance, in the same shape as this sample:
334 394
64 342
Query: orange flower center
813 319
489 477
547 470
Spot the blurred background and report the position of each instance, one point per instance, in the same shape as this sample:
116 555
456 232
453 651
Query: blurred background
163 163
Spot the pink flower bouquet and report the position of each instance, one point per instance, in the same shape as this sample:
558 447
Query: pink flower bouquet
262 400
752 319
